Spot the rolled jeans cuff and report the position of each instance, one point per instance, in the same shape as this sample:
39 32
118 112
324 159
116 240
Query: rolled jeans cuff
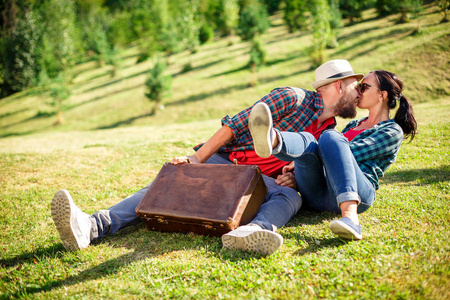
277 149
348 196
94 228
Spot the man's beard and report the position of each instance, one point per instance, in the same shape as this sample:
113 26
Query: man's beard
344 108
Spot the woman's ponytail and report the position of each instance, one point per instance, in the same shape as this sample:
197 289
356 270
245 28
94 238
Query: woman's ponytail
404 116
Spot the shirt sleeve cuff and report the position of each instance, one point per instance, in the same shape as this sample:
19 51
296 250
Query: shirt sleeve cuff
229 123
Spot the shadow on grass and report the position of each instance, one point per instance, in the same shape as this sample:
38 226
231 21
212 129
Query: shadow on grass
41 115
286 37
205 95
317 244
125 122
103 74
143 243
381 40
242 68
309 216
111 82
88 69
106 268
181 102
269 63
136 55
286 58
200 67
280 77
9 114
356 33
28 257
418 176
122 90
37 116
226 49
198 97
34 91
11 134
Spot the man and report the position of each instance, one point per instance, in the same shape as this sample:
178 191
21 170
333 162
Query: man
293 109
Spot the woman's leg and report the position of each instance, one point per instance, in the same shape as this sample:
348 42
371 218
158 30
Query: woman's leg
350 187
302 148
325 169
347 181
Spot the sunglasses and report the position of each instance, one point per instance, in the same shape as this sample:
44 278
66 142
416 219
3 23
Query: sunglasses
364 86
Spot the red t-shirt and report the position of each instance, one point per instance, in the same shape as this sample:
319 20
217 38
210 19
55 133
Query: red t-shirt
272 166
352 133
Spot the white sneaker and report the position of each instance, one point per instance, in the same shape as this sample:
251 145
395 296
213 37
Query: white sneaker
253 238
260 126
73 225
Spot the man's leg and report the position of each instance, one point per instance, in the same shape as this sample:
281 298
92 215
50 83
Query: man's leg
280 204
123 214
119 216
73 225
77 229
302 148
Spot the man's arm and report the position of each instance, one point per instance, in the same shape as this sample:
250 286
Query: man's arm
220 138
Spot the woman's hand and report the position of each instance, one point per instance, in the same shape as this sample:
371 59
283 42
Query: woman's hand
288 168
191 159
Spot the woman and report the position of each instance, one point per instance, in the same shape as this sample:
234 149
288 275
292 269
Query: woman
340 171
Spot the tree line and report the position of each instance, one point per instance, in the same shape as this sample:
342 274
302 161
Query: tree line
42 40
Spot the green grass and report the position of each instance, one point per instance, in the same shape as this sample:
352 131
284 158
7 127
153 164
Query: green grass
108 149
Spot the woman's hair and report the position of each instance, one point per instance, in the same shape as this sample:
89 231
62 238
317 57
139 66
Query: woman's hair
393 85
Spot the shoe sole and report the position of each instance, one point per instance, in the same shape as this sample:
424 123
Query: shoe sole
345 231
61 213
264 242
259 125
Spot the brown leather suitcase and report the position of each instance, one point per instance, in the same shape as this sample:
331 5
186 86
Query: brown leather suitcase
206 199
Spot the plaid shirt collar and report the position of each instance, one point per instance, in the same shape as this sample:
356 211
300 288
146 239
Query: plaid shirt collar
318 102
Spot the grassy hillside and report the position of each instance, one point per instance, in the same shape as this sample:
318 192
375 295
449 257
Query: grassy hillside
109 147
218 83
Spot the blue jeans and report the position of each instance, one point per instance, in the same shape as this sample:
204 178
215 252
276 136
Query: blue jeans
280 204
326 171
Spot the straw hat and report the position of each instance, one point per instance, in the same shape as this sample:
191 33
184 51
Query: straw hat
334 70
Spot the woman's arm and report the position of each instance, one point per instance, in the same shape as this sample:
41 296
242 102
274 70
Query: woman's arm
385 140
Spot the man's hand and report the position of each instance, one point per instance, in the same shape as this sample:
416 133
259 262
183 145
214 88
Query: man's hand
287 179
185 160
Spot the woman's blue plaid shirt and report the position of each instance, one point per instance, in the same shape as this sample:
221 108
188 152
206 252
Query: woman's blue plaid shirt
376 148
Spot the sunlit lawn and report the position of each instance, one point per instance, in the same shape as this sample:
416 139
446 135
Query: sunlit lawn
109 148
